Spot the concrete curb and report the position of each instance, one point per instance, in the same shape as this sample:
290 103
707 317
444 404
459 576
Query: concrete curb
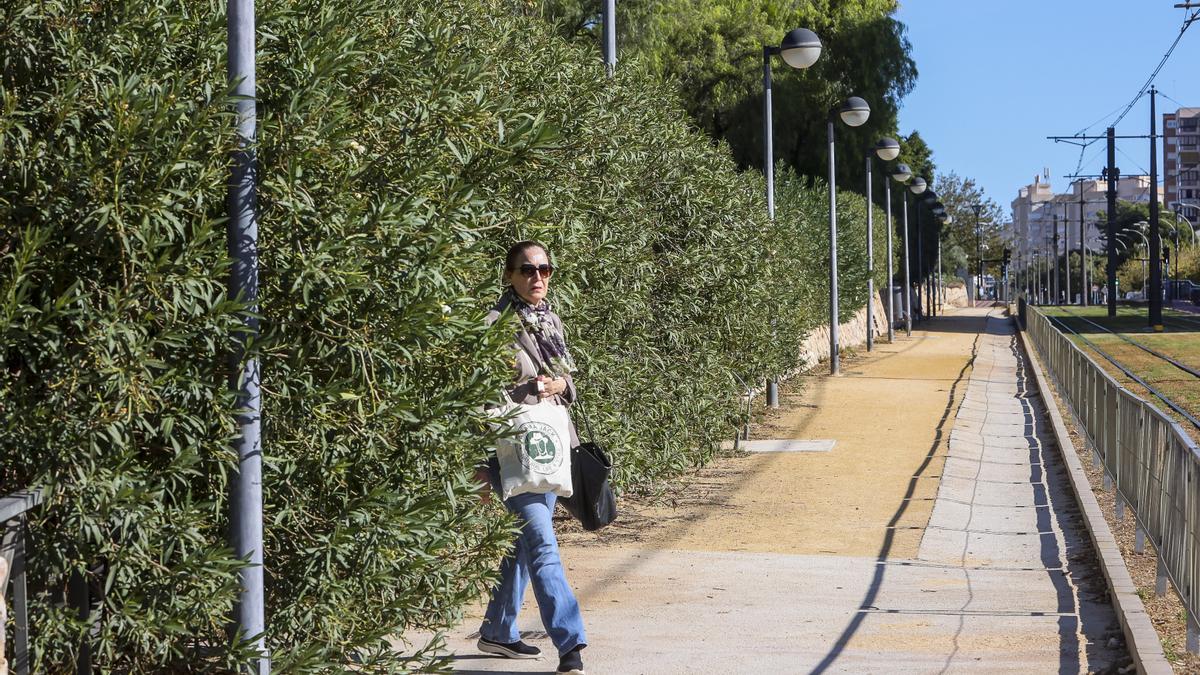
1140 637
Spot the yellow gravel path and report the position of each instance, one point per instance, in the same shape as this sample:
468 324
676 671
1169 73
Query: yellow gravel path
889 414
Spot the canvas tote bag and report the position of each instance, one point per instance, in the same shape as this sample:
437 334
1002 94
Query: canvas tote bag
536 456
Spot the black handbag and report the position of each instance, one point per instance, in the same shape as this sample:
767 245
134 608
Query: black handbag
592 501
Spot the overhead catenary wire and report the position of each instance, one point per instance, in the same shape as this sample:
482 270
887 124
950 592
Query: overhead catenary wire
1135 162
1157 69
1093 125
1142 90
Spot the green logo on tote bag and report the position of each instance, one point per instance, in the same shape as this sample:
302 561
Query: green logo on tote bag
539 447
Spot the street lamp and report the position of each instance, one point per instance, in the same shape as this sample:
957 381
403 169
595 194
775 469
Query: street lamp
917 186
854 112
939 211
1179 207
886 149
1145 241
900 173
1181 219
800 49
930 200
941 295
978 208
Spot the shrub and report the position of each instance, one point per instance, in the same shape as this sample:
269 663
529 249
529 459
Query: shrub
403 144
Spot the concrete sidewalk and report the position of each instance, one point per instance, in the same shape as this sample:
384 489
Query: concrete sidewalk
938 535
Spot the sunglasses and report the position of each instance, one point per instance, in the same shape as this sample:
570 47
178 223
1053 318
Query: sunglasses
545 270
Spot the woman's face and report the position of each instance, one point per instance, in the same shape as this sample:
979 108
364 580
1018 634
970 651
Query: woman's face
530 276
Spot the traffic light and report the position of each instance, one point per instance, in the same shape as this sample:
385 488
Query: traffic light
1167 255
1007 256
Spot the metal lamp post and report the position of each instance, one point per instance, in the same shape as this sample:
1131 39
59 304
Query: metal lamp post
978 209
901 173
886 149
917 186
1182 220
246 521
941 291
854 112
939 215
800 49
928 198
1145 260
610 37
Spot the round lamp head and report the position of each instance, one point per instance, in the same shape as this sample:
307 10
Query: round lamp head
800 48
887 149
901 173
918 185
855 112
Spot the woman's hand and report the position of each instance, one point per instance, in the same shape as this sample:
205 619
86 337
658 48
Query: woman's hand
550 386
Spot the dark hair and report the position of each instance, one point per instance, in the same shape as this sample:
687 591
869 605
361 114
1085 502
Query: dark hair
515 251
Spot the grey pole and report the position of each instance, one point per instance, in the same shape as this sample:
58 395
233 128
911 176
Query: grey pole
870 262
610 37
907 287
921 265
937 288
769 172
1156 295
1067 253
1055 286
834 364
1084 287
246 518
978 291
1110 173
768 134
887 188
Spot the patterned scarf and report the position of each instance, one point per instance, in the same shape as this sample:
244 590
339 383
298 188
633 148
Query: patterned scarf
549 339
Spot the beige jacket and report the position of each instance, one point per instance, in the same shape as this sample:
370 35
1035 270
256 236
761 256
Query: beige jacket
529 365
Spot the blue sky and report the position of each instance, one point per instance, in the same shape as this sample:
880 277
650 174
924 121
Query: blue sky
997 77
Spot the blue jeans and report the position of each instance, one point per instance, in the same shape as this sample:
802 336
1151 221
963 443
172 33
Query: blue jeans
535 558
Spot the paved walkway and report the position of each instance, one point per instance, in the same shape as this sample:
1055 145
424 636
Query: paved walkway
938 535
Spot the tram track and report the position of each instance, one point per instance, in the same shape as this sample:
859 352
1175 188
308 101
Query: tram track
1066 328
1149 350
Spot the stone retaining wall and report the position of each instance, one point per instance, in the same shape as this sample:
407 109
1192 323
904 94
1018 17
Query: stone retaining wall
852 333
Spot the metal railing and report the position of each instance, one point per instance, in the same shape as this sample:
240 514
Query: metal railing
1152 463
12 575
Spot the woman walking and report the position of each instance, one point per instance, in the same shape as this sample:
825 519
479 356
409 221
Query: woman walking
544 368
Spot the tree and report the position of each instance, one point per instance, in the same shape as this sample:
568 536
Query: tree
1131 248
712 49
960 195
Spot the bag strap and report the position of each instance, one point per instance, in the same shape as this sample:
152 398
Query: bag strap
587 423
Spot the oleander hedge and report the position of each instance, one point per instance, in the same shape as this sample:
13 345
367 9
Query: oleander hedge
403 145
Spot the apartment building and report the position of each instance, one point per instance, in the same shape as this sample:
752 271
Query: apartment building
1181 161
1037 209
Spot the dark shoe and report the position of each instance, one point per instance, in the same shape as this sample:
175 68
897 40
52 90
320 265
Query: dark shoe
570 663
510 650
